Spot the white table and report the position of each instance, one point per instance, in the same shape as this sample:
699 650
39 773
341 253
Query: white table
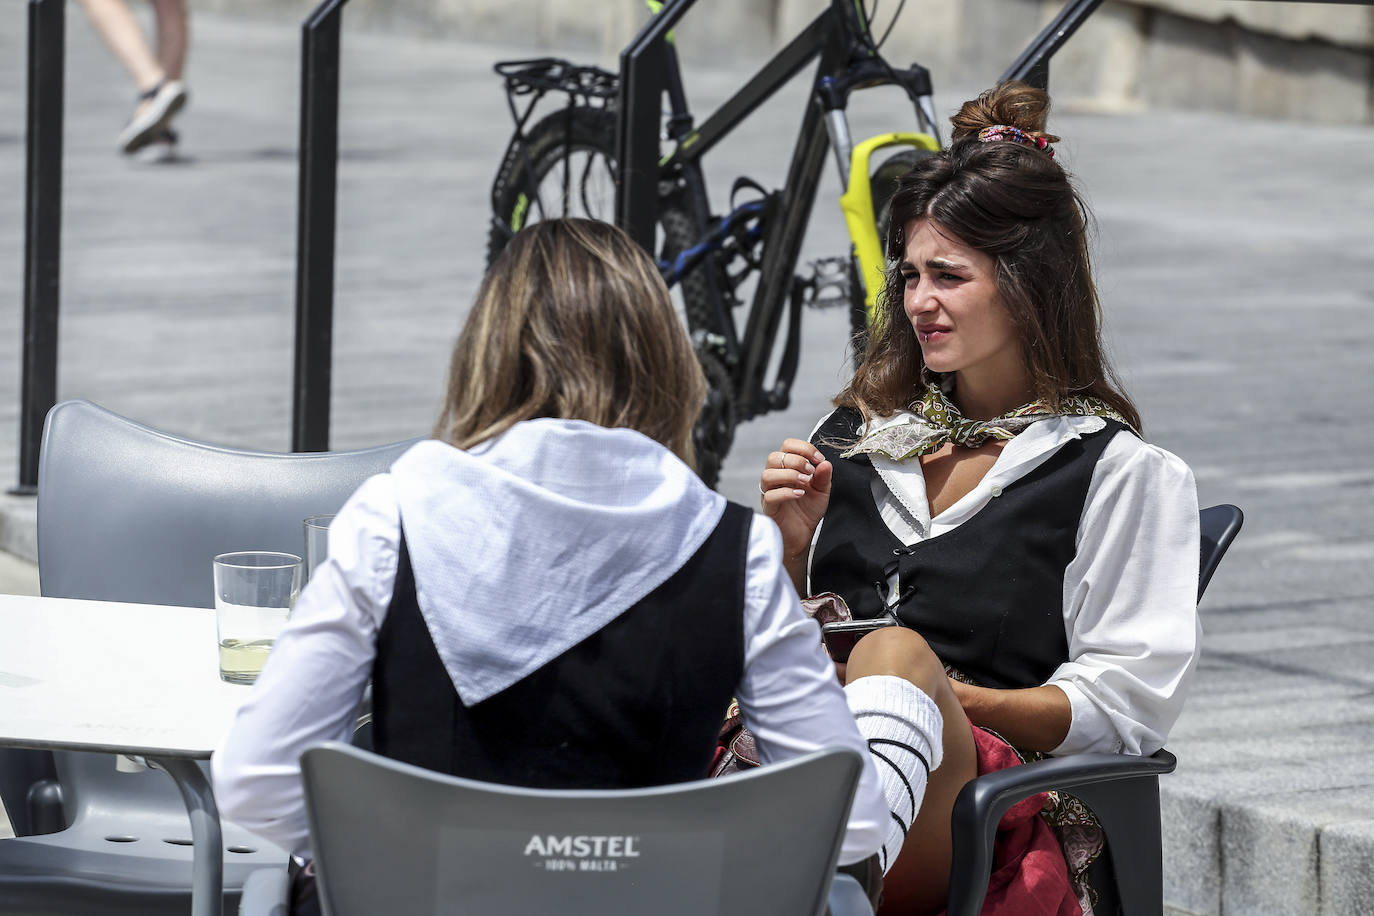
134 679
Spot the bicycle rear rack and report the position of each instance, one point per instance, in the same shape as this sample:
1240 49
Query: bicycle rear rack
541 75
527 82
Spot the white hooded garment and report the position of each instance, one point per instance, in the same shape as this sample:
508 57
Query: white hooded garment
522 547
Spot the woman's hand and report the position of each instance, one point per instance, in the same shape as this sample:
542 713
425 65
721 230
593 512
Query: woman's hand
795 490
1032 719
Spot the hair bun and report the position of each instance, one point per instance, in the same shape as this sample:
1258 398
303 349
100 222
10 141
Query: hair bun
1013 103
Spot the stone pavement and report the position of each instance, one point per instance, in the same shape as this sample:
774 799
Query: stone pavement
1235 261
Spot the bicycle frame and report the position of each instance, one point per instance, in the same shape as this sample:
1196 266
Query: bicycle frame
650 69
859 216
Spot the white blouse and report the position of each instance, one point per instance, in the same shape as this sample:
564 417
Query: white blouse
596 485
1130 593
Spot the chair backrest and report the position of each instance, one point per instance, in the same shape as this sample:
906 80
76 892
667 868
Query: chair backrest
128 513
761 843
1220 525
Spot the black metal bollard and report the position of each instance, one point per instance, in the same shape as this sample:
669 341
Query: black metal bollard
315 225
642 84
42 231
1033 65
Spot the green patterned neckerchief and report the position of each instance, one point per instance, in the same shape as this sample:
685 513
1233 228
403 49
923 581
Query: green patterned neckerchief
934 420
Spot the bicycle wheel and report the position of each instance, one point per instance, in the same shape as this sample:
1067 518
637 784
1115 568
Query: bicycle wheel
882 185
566 167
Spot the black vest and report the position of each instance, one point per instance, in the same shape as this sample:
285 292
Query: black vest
987 596
638 703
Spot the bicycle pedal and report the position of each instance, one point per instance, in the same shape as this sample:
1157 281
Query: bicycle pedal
829 286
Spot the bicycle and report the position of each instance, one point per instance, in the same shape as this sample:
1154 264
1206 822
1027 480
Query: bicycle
568 163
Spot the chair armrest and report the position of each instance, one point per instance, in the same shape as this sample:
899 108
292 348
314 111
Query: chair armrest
980 806
847 897
362 726
266 892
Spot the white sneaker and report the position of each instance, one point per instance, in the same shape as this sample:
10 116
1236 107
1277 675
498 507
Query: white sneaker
165 100
161 149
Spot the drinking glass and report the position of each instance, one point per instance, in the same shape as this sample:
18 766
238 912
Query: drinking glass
254 591
316 542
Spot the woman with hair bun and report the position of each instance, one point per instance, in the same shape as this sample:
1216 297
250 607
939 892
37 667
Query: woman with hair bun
983 480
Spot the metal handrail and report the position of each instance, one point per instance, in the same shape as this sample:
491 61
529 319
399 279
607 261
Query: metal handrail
42 231
315 227
642 84
43 228
1033 64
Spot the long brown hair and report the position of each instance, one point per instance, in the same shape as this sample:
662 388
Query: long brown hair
1015 203
573 321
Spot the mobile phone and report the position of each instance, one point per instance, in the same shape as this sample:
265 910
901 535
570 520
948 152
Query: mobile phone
841 636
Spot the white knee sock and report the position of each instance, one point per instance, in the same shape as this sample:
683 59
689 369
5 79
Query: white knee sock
903 727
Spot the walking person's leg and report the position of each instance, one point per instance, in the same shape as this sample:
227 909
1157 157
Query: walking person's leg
173 41
117 26
172 36
161 93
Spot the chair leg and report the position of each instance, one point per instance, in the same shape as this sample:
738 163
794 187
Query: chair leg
44 807
29 812
1129 813
207 863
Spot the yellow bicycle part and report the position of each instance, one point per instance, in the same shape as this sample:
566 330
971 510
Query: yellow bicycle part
857 204
656 7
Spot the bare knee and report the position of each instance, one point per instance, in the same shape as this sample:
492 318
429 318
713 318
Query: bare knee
900 652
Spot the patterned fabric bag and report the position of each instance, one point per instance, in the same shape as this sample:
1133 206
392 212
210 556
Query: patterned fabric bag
735 748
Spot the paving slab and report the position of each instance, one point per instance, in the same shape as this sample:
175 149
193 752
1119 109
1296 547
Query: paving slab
1190 825
17 576
1273 848
1236 267
1347 863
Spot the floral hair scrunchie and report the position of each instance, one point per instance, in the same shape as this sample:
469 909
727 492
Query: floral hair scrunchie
996 132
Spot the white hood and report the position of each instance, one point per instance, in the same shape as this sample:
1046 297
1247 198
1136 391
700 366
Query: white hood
529 543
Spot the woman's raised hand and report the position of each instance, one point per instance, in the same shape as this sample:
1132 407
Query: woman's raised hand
795 490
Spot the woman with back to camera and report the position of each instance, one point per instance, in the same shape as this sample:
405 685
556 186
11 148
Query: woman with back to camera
983 480
544 586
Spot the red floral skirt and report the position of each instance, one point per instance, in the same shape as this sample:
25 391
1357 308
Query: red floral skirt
1029 873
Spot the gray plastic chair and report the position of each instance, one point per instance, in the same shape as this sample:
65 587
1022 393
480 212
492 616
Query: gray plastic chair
1123 791
761 843
128 513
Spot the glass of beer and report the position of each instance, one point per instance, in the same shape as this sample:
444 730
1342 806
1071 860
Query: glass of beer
254 591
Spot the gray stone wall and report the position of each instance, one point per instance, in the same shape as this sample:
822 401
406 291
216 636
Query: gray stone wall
1301 61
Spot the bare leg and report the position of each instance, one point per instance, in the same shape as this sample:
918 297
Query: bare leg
161 94
172 36
119 29
918 882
